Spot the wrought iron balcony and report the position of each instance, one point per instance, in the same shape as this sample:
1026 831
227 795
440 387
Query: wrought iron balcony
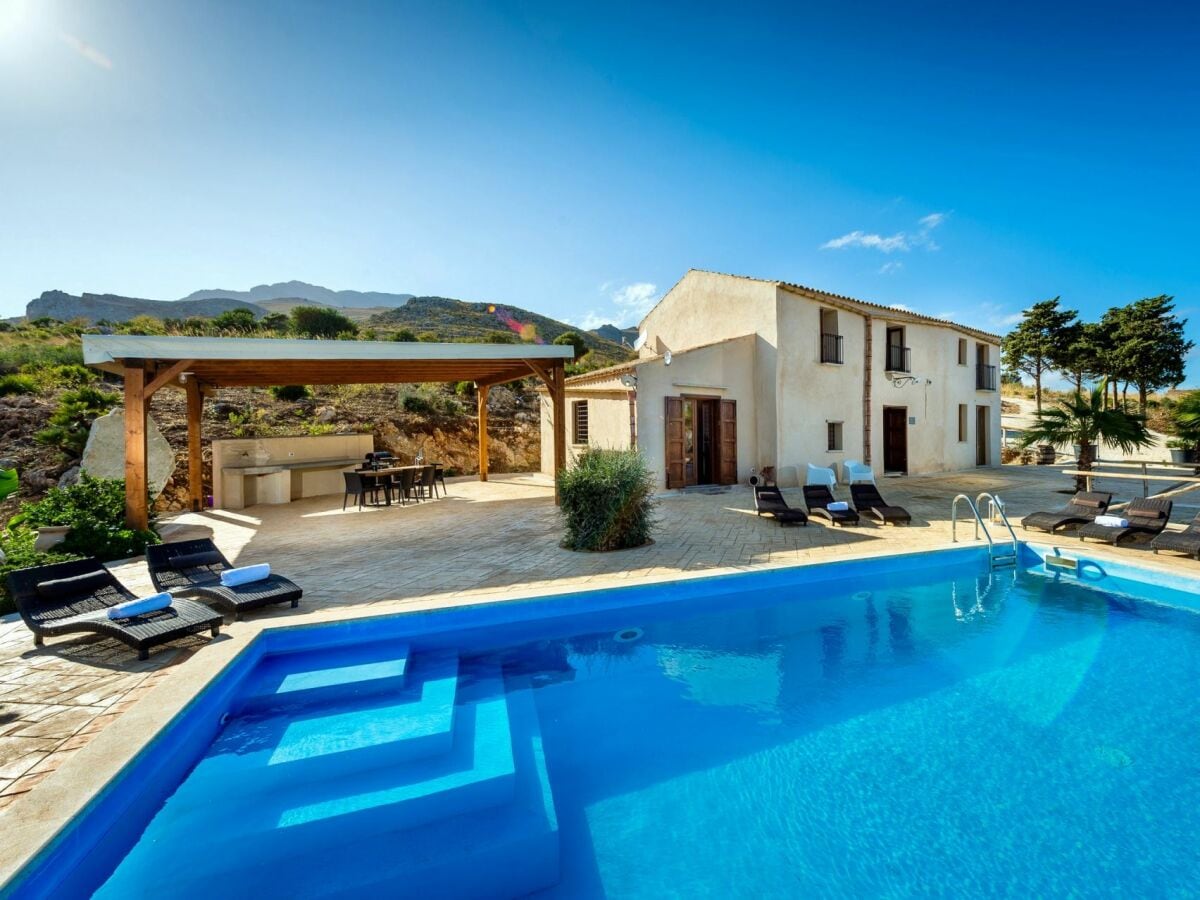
985 377
899 359
831 348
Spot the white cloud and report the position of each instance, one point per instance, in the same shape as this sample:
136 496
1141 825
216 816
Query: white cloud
626 305
903 307
889 267
86 50
901 240
898 241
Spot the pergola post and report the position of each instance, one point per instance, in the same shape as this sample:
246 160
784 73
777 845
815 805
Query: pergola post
137 513
195 408
558 395
482 400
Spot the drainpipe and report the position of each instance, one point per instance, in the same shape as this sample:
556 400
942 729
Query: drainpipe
633 419
866 454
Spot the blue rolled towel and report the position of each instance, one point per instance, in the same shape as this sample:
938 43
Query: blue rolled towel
138 607
245 575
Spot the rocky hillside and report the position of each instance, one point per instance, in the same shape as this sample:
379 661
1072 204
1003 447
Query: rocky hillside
94 308
457 320
402 419
303 291
616 335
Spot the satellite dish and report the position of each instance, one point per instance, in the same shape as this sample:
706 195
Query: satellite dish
667 358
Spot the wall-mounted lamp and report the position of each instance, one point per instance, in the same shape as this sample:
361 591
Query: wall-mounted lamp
667 358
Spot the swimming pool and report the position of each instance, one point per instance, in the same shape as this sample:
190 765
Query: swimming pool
895 726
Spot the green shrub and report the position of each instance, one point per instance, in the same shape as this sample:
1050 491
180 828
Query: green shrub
17 544
69 423
290 393
316 322
26 356
404 335
417 403
16 384
66 375
238 321
607 501
95 510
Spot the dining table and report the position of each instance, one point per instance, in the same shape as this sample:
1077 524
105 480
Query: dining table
384 471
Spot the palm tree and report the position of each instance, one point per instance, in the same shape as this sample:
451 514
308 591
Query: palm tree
1081 419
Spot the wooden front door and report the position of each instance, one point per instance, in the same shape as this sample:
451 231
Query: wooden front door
675 456
895 439
982 434
727 443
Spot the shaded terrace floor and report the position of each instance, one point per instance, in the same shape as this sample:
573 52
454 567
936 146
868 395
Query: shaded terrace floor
491 540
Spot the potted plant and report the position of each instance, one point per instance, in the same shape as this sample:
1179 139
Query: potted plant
1180 450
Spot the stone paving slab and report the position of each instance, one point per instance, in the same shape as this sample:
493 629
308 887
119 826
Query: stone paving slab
485 538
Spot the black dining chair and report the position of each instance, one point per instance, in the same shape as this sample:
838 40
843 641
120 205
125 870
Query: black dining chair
358 487
439 474
425 487
406 486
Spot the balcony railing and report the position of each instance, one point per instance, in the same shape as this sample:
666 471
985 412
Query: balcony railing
985 377
831 348
898 359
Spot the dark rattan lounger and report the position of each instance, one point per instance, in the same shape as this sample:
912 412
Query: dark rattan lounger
194 568
818 497
74 597
1083 508
769 501
1145 515
868 501
1186 541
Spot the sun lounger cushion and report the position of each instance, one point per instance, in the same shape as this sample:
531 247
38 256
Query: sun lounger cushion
75 586
192 560
1112 521
245 575
139 607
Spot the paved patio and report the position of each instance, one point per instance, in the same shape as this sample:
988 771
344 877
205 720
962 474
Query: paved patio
486 540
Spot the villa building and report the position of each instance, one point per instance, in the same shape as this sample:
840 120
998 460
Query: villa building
735 374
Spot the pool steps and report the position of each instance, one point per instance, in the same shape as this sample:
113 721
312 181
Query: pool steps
439 783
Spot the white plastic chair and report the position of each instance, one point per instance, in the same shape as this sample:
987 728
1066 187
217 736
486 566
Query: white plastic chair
821 475
856 473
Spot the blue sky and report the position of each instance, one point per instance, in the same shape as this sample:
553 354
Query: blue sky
959 159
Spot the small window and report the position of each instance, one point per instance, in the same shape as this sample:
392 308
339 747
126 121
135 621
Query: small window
962 351
579 422
962 423
834 435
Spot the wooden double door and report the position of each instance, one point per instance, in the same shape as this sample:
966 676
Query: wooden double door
701 441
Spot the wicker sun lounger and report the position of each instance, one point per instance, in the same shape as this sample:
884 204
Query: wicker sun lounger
769 501
194 568
74 597
869 502
1145 516
1083 508
1186 541
818 497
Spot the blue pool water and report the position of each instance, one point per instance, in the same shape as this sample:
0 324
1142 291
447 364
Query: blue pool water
903 728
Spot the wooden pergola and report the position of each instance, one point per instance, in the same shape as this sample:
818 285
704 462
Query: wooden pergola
200 365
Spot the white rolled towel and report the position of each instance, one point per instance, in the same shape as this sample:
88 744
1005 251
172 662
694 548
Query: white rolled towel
245 575
837 506
1112 521
138 607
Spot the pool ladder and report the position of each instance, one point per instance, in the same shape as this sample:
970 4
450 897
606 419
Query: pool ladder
998 556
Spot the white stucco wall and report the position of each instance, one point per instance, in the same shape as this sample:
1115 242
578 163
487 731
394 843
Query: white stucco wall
786 396
608 422
812 393
933 444
725 370
706 307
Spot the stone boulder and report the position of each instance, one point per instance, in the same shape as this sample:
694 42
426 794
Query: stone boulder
104 455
